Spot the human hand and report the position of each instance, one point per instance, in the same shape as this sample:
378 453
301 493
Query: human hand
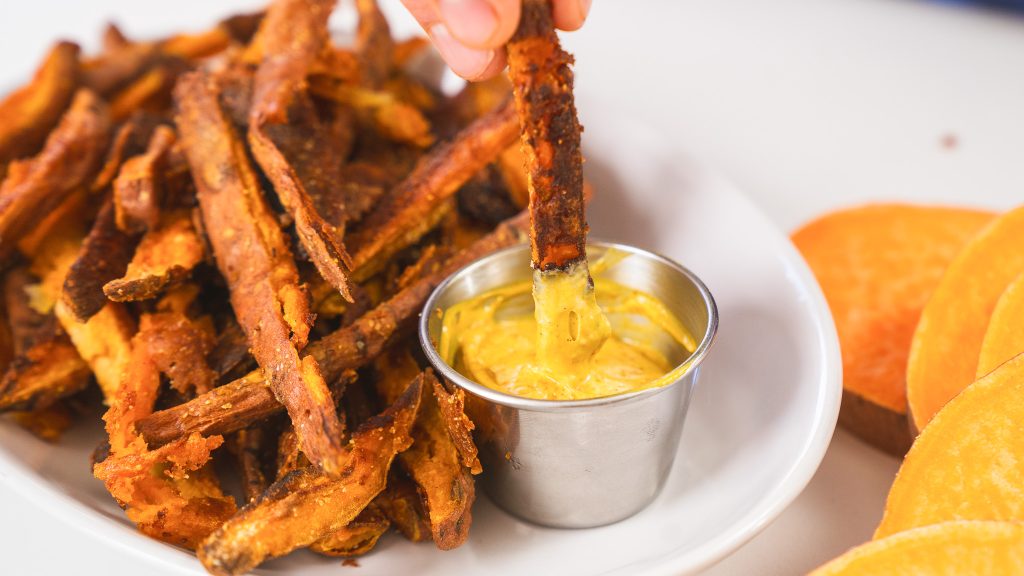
471 34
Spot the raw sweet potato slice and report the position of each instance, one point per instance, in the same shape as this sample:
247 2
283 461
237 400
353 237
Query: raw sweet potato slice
1003 338
28 114
307 505
238 404
947 343
950 548
968 462
877 266
164 257
35 187
254 258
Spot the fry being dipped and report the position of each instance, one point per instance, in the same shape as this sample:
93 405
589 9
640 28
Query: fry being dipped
567 349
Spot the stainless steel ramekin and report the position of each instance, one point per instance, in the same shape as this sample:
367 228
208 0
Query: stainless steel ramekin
579 463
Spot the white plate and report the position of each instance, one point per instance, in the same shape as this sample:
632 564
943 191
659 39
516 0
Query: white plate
757 429
758 425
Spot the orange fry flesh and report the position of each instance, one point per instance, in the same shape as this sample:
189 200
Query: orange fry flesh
164 257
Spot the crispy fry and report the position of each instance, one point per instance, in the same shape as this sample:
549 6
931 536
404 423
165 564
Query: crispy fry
248 400
248 446
338 63
163 258
104 255
358 537
169 492
402 504
307 505
138 189
293 34
113 38
47 423
254 258
178 346
433 459
460 428
71 154
28 114
44 373
289 455
151 91
129 140
542 83
415 205
231 352
115 69
362 185
374 44
45 366
393 118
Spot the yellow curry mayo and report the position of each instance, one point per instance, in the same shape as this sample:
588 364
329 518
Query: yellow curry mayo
566 349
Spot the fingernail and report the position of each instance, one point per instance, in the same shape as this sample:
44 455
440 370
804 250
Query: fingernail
584 7
472 21
464 61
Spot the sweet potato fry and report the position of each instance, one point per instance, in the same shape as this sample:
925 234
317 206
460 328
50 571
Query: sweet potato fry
164 257
254 258
47 424
542 84
231 352
28 114
150 92
104 255
129 139
358 537
71 154
248 400
44 373
169 493
139 186
115 69
45 366
402 504
248 447
177 346
433 459
374 44
877 266
289 455
393 118
307 505
453 410
293 34
415 205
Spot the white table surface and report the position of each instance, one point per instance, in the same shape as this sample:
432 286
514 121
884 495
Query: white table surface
806 104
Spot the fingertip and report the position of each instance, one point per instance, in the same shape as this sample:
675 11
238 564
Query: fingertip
569 15
496 67
480 24
470 63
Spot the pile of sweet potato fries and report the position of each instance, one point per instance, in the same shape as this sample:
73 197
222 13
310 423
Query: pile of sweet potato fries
231 233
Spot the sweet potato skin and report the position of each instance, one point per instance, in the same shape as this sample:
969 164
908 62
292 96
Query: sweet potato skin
968 462
877 266
947 342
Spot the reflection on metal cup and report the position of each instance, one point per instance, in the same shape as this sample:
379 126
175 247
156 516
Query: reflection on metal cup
578 463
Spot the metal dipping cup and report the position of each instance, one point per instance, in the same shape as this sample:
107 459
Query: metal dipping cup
579 463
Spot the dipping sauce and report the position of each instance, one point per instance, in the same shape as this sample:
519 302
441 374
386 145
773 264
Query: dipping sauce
564 348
